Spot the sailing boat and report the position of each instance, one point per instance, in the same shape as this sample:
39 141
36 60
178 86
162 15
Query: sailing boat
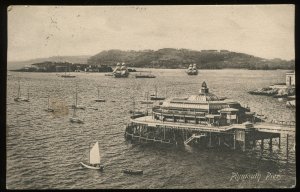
49 109
68 75
74 118
135 114
75 106
94 159
147 101
19 98
99 100
155 97
145 75
261 115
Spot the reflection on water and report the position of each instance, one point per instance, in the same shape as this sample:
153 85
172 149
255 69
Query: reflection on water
44 150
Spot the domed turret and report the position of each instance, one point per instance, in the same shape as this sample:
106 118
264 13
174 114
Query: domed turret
204 88
204 95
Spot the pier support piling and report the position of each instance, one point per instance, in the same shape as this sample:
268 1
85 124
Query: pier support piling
209 144
270 143
287 147
244 145
234 141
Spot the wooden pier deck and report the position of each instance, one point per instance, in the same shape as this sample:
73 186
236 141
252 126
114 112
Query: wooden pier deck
262 127
276 128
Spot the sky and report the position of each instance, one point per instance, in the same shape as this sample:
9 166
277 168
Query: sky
265 31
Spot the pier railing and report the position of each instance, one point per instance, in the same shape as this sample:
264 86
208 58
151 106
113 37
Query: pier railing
291 123
171 112
263 127
275 128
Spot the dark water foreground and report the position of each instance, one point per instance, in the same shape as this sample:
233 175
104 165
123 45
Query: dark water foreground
44 150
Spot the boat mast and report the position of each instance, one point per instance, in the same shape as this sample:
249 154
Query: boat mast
89 154
208 105
133 104
74 112
48 101
76 97
166 92
19 89
147 102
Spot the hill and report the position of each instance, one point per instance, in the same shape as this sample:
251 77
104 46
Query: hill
181 58
12 65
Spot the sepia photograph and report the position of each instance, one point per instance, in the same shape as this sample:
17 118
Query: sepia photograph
150 97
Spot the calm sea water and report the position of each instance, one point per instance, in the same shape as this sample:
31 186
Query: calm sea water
44 150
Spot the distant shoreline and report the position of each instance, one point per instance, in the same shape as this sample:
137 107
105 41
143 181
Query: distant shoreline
144 69
165 58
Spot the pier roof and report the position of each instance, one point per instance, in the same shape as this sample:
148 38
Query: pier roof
204 101
203 97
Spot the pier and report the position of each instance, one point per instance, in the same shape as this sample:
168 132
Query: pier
206 120
234 136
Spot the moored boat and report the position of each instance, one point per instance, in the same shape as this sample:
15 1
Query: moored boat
146 101
120 71
74 118
145 75
19 97
67 75
75 105
155 96
135 113
49 109
192 69
133 171
99 99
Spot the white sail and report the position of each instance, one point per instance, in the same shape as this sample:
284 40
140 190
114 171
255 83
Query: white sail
95 154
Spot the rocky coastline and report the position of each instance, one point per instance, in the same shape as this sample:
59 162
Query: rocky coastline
276 91
280 91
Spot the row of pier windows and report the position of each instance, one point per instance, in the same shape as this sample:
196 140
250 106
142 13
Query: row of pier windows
195 120
218 120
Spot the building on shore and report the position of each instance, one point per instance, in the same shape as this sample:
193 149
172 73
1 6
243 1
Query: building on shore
61 68
290 79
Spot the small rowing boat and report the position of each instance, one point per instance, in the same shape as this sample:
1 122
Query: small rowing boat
133 171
